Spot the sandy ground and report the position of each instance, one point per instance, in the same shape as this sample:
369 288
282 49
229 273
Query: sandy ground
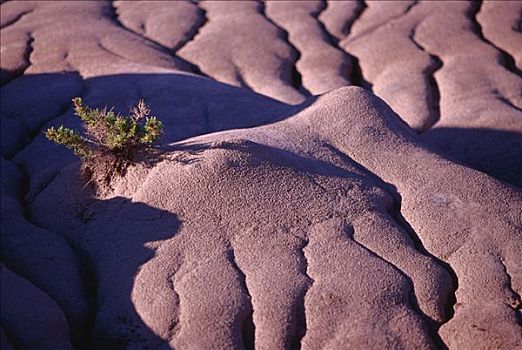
337 174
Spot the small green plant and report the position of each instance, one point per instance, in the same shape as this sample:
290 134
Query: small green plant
111 141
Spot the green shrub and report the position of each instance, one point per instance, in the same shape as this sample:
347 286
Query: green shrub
111 141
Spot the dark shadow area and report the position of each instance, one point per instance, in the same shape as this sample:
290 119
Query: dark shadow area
497 153
108 239
111 256
357 77
7 76
188 105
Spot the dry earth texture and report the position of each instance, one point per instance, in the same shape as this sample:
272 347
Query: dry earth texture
335 175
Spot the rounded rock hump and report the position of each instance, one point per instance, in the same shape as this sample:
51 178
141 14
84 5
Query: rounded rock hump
247 208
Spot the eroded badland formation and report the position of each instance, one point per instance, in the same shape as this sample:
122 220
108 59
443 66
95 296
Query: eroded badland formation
335 175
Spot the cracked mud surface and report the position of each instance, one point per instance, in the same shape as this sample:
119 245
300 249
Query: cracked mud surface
293 208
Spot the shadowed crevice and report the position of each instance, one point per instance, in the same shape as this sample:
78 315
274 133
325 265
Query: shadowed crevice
195 29
433 101
248 327
363 7
16 19
7 76
347 26
373 29
300 311
507 60
357 77
332 40
297 79
175 325
408 9
396 214
449 310
432 326
516 303
506 101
